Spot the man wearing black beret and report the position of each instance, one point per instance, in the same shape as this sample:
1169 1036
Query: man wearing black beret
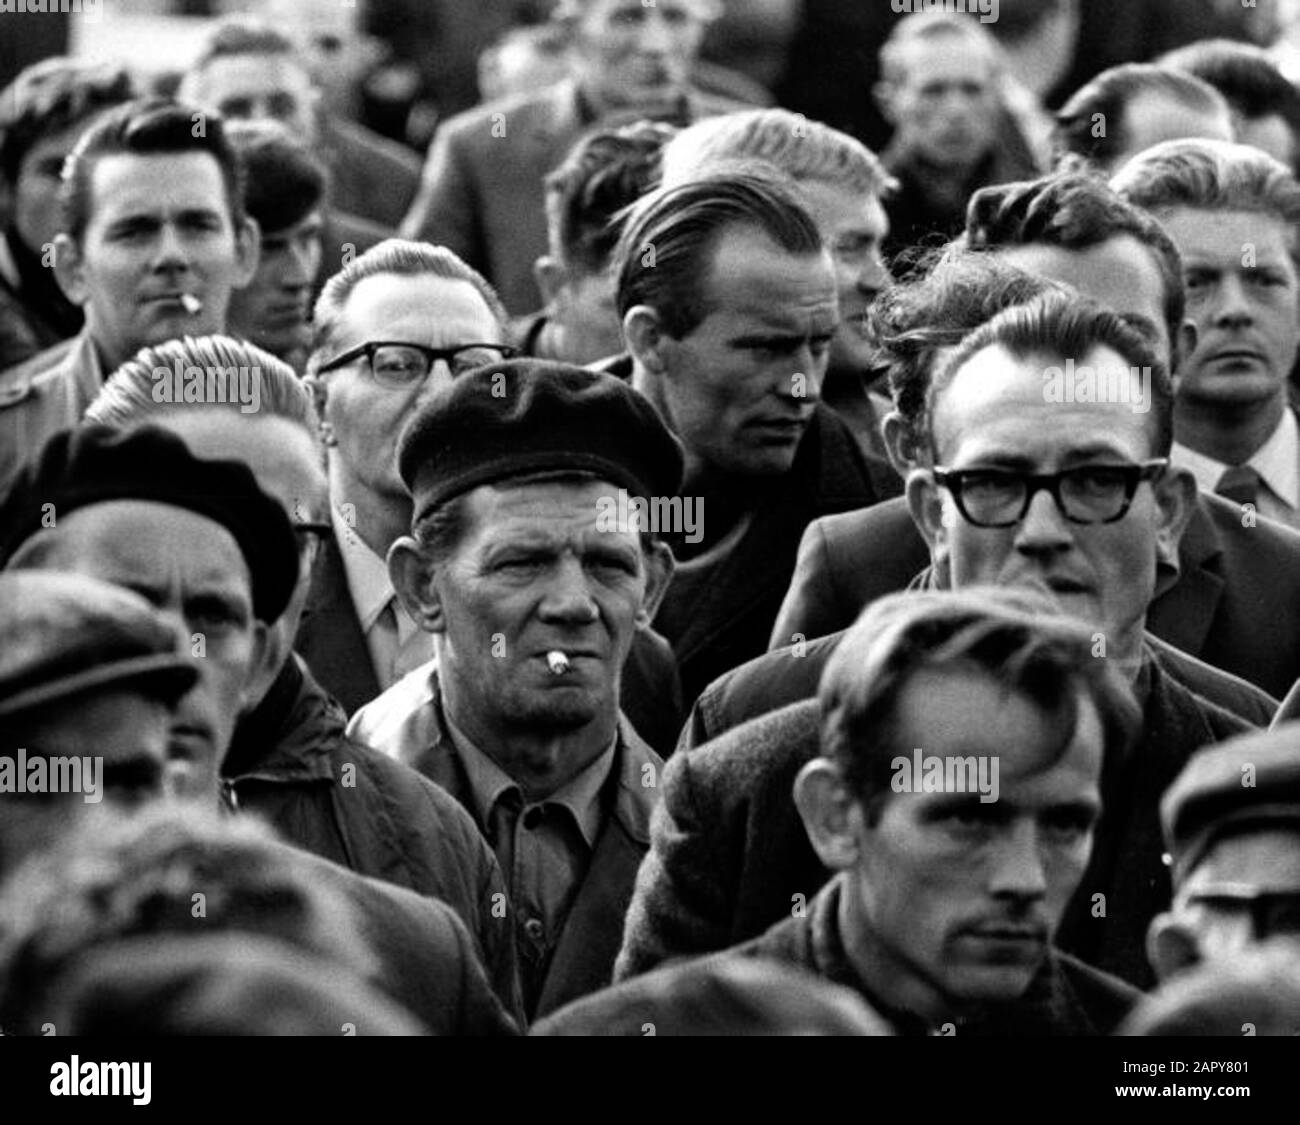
1231 822
197 538
534 586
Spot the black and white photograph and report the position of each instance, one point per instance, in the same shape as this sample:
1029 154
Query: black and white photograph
660 519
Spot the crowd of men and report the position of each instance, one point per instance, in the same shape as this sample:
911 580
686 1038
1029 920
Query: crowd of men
661 565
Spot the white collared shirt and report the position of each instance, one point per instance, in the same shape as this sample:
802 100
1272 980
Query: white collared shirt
372 592
1277 461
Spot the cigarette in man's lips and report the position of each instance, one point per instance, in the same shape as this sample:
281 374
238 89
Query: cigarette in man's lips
557 662
191 303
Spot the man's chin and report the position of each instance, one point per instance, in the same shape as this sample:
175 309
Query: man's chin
992 983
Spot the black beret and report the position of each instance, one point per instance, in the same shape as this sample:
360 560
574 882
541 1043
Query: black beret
1252 779
65 634
527 416
92 464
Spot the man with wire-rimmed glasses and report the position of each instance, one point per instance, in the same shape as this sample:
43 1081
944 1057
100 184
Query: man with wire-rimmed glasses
391 327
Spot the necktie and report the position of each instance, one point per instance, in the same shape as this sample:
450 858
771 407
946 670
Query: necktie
1239 484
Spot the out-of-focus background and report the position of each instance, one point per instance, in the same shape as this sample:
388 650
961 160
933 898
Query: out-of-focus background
400 66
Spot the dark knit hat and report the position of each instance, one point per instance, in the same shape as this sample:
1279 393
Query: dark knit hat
1250 780
528 416
93 464
65 634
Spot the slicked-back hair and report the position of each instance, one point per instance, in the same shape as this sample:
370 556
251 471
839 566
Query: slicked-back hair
664 254
1063 325
1204 175
804 150
1105 99
147 127
127 397
53 95
951 294
1244 74
1074 211
602 175
402 258
1017 637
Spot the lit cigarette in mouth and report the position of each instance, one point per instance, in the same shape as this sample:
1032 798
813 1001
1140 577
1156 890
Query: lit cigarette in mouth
191 304
557 662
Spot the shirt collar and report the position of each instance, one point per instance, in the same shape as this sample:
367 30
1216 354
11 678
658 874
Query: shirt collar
1277 461
490 783
366 572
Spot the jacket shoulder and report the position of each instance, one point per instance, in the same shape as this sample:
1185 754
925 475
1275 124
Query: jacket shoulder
1105 998
39 369
764 684
1230 692
538 109
737 761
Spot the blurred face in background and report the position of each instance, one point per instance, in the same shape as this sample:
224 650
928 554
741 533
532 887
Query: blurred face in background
944 103
635 54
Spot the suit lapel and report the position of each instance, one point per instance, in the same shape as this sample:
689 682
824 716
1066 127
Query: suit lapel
1183 614
330 639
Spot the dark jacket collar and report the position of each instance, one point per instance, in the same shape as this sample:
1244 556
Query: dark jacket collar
287 737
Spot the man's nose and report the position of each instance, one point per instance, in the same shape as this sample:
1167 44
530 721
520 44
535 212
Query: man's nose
1018 869
170 251
1044 526
1232 307
568 596
873 276
656 36
299 271
804 382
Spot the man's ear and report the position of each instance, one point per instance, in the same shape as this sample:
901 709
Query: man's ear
319 392
831 814
883 93
1175 503
1183 346
411 573
659 565
900 443
70 269
1171 946
645 338
550 277
925 502
263 666
248 251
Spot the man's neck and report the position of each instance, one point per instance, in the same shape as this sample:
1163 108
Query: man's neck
887 980
539 761
1230 435
377 519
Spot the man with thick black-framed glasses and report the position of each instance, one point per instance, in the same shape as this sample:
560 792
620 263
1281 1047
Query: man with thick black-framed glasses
391 327
1069 493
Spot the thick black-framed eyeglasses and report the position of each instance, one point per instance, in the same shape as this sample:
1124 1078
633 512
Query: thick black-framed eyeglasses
1084 494
397 363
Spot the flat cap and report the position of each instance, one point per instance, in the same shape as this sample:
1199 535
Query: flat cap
1253 779
528 416
93 464
65 634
